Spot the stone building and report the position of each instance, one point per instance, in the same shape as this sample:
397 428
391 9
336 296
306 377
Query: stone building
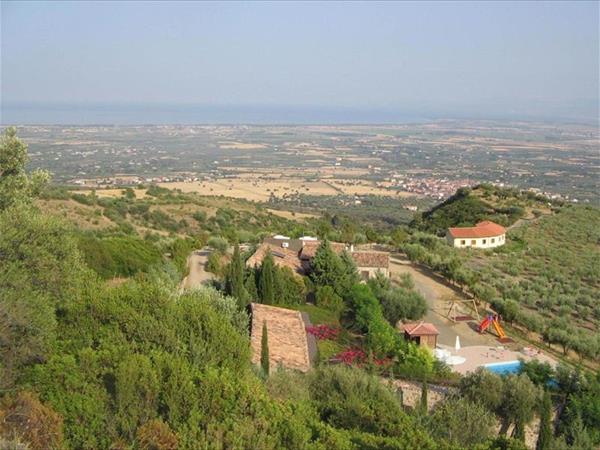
297 255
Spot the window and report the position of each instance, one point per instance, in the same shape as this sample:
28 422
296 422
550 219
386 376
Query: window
493 240
462 242
484 241
473 242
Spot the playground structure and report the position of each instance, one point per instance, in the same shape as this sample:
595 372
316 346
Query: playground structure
493 319
453 306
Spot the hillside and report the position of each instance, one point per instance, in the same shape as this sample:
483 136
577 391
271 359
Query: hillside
551 268
121 232
483 202
545 280
143 364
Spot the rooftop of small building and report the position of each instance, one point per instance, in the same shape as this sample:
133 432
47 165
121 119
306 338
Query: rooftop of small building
483 229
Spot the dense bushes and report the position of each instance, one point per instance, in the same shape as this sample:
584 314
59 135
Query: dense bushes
114 256
40 272
179 250
146 355
381 338
399 303
339 394
326 298
460 421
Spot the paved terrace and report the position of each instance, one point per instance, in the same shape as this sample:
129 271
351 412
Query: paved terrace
478 355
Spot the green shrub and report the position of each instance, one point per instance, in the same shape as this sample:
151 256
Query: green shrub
118 255
328 299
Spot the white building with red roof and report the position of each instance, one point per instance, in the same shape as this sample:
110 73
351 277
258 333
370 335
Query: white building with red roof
486 234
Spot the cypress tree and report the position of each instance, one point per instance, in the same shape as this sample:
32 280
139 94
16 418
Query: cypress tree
424 392
327 269
264 350
234 282
544 440
250 284
349 272
266 283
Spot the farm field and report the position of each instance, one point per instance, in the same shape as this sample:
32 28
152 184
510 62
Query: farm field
261 190
558 158
253 190
112 193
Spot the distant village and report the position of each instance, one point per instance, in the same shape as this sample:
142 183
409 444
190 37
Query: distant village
435 188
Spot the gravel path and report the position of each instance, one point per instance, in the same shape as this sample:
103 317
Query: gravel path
197 275
437 293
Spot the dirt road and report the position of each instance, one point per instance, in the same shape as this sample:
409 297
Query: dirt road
197 275
437 294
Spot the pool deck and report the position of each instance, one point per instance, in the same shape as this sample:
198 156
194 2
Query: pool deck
480 355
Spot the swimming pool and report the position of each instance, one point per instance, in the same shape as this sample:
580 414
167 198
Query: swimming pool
504 368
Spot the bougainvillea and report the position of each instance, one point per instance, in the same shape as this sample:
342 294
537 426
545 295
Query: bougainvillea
357 357
351 356
323 332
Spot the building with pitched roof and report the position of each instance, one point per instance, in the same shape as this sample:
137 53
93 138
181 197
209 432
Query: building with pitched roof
282 257
369 263
486 234
421 333
297 255
286 334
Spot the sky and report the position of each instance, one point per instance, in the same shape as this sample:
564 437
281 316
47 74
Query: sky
440 59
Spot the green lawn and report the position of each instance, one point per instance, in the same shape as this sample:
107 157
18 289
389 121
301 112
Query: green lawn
317 315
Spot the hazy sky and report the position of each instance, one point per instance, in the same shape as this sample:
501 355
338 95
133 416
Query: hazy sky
423 56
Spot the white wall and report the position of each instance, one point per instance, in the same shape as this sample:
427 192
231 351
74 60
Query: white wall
492 242
372 272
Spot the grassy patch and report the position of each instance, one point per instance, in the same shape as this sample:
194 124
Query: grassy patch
318 315
328 349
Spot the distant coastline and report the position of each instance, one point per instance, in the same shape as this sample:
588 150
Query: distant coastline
189 114
186 114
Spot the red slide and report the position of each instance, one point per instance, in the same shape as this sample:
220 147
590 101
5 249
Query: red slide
485 323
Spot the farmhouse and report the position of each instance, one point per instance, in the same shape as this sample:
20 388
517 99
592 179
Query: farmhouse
282 257
421 333
485 234
369 263
297 254
286 335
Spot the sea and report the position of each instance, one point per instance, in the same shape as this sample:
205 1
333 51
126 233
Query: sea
187 114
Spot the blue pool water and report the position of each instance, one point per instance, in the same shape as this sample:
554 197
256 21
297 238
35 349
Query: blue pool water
504 368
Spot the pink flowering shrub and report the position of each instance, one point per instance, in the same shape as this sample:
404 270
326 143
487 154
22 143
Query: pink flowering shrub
351 356
323 332
357 357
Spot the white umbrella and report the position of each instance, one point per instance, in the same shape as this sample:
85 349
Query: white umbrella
457 344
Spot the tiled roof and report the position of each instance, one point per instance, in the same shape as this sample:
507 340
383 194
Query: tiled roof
283 257
286 331
483 229
299 262
420 329
371 259
311 247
